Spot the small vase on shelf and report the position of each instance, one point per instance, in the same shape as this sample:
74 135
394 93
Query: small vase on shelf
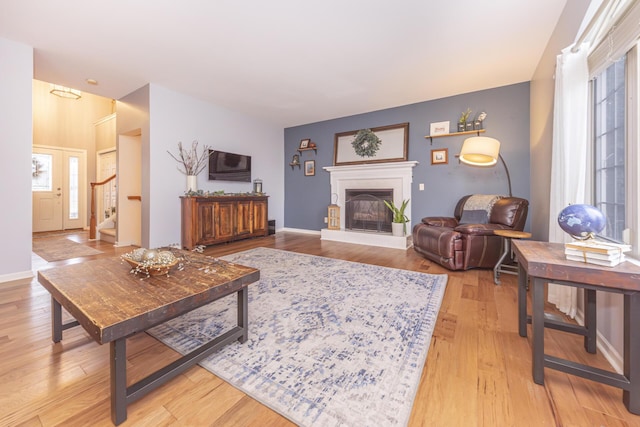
192 183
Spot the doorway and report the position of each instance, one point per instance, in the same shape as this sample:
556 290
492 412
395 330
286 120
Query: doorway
58 188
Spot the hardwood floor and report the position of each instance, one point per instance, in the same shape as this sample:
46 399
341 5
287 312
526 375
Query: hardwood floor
477 373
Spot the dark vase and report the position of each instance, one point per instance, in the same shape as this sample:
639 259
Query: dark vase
460 127
469 125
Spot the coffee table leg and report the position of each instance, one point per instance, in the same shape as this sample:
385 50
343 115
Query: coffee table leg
537 330
590 321
631 397
522 301
56 320
118 350
243 313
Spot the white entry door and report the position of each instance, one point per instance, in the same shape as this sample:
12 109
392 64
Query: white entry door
58 189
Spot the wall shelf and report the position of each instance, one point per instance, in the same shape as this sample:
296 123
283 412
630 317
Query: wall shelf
466 132
315 150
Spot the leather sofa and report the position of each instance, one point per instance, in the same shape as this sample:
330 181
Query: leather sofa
457 244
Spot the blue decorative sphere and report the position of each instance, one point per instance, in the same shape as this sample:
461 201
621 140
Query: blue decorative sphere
581 221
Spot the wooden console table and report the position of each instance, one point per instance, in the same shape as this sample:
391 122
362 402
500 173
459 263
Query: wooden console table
208 220
542 262
112 304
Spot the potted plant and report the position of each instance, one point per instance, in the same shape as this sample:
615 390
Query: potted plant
399 220
462 121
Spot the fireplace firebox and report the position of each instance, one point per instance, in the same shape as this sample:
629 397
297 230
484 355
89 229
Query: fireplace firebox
365 210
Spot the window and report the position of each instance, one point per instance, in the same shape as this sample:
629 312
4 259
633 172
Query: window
610 186
74 187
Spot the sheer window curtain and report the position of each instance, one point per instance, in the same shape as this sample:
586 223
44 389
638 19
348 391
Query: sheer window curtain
570 154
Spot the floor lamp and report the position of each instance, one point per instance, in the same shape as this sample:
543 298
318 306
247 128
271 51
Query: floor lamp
483 151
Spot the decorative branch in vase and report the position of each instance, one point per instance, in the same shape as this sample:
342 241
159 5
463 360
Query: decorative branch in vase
192 163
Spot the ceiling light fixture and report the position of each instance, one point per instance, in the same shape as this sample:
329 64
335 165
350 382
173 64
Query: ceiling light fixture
65 92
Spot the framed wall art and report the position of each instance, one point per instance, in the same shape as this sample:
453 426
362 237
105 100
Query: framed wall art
392 146
439 128
304 143
440 156
309 167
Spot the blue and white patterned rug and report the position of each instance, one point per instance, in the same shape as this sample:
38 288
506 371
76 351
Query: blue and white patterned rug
330 343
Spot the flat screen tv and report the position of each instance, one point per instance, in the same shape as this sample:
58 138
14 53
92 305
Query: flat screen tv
229 166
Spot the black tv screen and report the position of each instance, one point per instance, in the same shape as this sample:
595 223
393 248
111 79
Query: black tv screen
229 166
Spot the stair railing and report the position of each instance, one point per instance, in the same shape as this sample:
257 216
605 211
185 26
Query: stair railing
93 222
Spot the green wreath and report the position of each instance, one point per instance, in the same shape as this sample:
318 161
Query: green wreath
366 143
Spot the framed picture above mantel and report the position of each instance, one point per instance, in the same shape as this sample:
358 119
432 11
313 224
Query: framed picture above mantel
392 146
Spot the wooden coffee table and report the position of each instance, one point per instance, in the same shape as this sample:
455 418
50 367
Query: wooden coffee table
112 304
542 263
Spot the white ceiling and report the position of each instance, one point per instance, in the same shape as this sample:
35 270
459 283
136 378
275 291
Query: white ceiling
289 62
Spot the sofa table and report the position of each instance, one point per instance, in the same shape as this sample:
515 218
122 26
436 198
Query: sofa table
542 262
112 304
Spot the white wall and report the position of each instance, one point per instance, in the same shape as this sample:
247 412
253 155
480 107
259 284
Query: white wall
132 119
16 63
177 117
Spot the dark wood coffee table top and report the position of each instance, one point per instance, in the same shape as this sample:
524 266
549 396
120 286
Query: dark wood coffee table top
112 303
547 260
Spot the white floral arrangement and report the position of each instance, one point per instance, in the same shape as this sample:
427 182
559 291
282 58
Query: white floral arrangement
150 262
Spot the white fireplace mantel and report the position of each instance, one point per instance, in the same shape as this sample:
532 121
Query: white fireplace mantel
394 175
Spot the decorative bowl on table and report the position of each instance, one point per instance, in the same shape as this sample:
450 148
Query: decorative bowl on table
150 262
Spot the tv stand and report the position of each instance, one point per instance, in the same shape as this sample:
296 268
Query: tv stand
209 220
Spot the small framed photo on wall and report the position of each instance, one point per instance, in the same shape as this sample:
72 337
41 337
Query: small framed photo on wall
304 143
440 128
440 156
309 167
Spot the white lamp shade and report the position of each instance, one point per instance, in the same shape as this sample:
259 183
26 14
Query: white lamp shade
480 151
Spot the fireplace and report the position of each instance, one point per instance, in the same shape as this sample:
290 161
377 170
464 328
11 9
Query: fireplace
365 210
370 179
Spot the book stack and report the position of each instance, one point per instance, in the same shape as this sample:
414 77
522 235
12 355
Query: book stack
595 252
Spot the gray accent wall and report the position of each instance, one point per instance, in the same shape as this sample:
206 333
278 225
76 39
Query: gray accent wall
507 108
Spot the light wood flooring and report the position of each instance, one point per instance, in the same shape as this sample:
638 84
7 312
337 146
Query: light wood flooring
477 373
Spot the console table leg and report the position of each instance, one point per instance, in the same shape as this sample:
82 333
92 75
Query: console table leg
631 397
537 330
118 350
590 320
56 320
522 301
243 313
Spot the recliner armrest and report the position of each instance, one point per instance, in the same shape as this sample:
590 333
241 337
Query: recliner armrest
440 221
480 229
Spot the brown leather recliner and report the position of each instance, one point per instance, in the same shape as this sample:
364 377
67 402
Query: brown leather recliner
461 246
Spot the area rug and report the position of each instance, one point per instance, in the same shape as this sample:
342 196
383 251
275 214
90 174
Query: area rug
58 248
331 342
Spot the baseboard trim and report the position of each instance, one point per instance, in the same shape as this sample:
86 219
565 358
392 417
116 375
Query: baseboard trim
300 230
604 346
21 275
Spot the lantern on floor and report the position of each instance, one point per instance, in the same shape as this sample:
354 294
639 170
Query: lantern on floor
333 215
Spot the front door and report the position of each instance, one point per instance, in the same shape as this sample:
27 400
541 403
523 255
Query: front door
58 189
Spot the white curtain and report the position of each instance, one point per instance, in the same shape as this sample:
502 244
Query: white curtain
570 154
